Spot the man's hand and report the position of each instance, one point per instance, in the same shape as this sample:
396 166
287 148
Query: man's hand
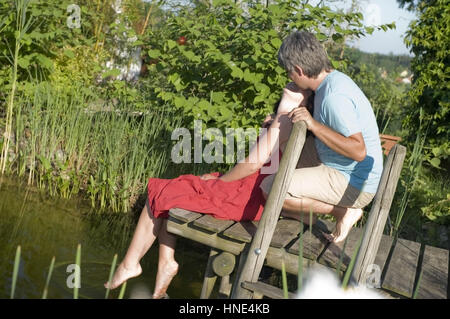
292 97
302 114
208 176
352 146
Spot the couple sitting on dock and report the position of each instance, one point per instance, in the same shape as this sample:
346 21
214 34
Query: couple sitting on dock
338 171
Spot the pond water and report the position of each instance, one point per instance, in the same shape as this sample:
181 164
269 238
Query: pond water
45 227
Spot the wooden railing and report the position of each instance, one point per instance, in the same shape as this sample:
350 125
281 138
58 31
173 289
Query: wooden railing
256 254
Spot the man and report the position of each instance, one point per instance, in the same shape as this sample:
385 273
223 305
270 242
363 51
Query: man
340 167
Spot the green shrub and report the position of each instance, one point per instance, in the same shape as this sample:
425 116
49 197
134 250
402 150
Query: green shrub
428 39
220 62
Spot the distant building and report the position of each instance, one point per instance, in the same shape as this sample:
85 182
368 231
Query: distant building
127 58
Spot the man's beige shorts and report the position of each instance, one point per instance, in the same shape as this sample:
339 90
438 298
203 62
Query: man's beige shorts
312 179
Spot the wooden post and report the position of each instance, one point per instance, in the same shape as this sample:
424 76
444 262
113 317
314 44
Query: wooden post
261 240
374 227
225 286
210 277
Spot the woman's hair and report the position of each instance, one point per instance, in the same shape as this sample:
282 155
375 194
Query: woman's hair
301 48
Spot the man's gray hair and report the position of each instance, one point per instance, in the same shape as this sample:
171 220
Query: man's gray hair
303 49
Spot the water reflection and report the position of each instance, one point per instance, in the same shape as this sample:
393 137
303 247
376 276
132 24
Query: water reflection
47 227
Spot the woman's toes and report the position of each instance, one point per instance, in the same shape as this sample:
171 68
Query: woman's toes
122 274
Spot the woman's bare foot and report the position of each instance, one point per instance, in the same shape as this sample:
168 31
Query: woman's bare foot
122 274
166 271
344 224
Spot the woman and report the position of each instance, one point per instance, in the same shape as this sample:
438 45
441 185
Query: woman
241 199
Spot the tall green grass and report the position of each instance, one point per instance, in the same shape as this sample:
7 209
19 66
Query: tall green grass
77 273
15 271
66 145
47 282
412 169
122 290
111 273
300 258
23 24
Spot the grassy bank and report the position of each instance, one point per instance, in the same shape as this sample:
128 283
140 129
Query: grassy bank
70 145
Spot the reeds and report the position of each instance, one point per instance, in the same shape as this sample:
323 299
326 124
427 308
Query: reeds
300 258
122 290
77 283
23 25
77 278
69 146
49 275
15 271
111 273
413 170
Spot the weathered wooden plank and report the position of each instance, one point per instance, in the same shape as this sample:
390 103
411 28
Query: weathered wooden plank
379 212
401 271
373 273
383 251
261 240
242 231
211 240
266 290
184 215
434 274
335 253
388 141
276 255
313 241
212 224
285 231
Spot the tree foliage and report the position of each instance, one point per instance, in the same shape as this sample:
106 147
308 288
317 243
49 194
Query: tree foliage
220 61
428 38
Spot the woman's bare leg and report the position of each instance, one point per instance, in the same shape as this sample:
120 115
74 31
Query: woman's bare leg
147 230
167 266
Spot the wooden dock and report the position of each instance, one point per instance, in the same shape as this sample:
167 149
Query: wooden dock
399 263
400 266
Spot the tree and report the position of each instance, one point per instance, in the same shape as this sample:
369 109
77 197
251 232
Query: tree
428 39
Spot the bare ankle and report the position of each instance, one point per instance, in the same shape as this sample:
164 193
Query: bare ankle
130 264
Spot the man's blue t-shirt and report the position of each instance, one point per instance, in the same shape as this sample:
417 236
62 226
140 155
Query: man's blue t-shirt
341 105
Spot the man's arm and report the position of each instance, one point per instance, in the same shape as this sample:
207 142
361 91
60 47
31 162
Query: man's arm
352 146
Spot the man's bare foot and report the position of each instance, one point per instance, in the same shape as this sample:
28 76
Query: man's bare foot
166 271
122 274
344 224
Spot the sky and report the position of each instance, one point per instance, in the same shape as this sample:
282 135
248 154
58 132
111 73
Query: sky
378 12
